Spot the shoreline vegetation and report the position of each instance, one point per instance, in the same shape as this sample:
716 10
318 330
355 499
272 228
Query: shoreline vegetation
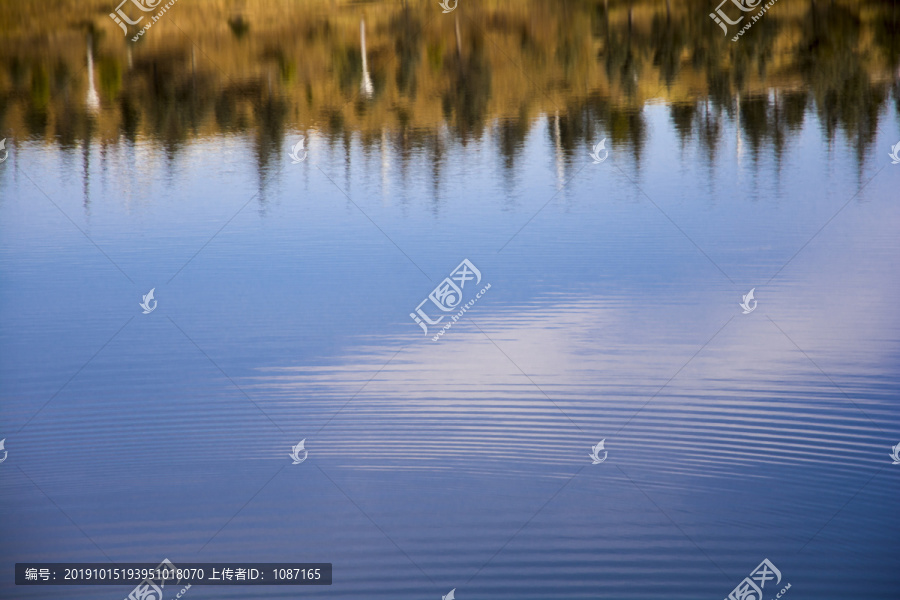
214 67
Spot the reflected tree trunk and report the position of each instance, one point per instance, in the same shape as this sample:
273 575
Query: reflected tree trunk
366 85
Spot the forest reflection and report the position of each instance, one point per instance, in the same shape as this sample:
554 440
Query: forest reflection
407 74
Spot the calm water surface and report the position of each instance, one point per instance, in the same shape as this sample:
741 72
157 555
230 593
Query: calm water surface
284 293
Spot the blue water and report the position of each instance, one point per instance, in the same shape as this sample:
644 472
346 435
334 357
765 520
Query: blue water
284 294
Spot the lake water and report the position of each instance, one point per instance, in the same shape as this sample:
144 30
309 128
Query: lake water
284 290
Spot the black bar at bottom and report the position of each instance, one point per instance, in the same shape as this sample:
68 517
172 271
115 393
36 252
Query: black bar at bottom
165 575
